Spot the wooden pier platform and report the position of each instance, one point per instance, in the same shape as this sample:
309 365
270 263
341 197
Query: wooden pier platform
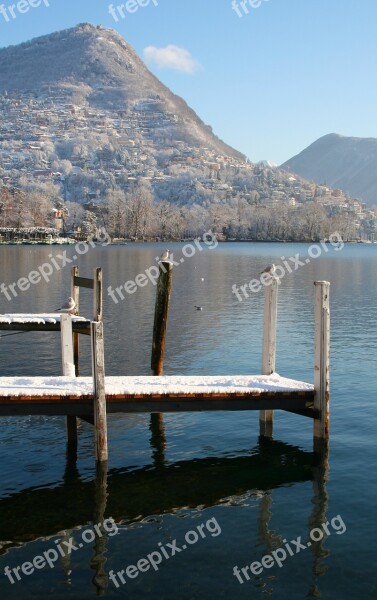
92 398
42 322
74 396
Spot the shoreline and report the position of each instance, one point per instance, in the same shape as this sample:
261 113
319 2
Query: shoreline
132 242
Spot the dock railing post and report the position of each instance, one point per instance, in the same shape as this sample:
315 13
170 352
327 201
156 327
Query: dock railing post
97 294
322 364
99 393
266 417
66 337
68 367
75 294
164 285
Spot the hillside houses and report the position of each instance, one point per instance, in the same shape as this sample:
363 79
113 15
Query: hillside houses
83 152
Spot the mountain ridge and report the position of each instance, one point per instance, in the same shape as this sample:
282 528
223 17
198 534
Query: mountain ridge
98 65
345 162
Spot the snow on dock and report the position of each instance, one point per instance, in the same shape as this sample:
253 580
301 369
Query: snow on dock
35 319
153 394
144 386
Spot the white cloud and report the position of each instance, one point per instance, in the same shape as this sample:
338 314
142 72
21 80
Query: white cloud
172 57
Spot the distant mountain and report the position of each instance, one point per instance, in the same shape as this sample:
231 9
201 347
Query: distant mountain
347 163
98 66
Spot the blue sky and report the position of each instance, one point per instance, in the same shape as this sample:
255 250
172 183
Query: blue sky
269 83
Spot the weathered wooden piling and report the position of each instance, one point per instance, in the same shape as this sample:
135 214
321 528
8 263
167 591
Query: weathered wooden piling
68 364
68 369
97 295
98 360
269 348
99 395
75 294
96 285
163 292
322 364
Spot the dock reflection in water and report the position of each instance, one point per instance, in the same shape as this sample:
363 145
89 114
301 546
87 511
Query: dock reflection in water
160 488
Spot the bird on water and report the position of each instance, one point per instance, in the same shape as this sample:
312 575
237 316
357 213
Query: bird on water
68 307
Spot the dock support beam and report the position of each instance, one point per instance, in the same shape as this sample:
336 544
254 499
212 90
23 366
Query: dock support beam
99 395
72 435
266 417
322 364
164 285
67 345
75 294
97 296
68 367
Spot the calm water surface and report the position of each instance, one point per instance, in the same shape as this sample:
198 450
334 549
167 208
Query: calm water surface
206 466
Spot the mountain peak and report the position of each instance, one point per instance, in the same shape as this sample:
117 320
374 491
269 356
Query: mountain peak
96 66
344 162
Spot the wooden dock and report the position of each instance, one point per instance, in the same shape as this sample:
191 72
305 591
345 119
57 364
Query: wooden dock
93 397
74 396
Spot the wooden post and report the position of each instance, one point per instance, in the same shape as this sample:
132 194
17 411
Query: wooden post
68 367
75 294
322 363
67 345
161 312
97 296
164 285
266 417
99 395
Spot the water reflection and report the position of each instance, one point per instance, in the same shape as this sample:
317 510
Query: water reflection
158 439
160 488
223 338
98 562
271 540
318 516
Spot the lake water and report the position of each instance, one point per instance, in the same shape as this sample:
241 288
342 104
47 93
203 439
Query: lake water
208 472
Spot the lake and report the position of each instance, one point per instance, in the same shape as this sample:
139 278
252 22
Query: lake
208 482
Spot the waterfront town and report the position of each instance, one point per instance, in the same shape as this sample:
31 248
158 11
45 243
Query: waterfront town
68 168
